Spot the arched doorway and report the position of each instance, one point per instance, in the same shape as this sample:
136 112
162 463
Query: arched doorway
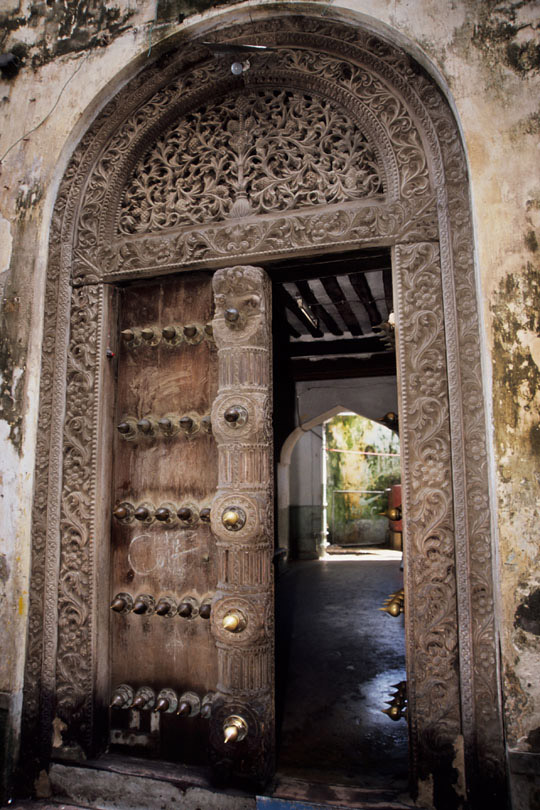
386 168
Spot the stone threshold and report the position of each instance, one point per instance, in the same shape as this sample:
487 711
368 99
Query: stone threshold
125 783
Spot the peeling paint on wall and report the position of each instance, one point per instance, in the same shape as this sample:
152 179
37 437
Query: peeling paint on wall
516 356
47 30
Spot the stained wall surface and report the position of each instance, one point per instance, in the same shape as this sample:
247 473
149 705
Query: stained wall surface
68 60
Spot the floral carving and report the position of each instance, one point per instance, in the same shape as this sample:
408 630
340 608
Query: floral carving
265 151
402 125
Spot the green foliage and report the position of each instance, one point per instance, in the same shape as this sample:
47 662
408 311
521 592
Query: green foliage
353 470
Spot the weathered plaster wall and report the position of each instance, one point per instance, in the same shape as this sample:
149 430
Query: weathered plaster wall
70 56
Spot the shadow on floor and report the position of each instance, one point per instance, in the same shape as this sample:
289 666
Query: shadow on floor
337 657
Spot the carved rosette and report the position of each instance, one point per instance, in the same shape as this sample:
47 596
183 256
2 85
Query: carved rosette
242 516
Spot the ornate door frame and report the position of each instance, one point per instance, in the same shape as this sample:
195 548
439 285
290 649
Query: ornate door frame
421 209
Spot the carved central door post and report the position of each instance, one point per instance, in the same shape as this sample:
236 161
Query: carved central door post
242 726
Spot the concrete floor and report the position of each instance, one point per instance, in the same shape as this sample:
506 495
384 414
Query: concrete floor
338 656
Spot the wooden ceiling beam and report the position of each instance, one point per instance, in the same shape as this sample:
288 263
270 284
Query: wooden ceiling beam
336 295
318 309
293 307
363 291
388 292
343 368
319 348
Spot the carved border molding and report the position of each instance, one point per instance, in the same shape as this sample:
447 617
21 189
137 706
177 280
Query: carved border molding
348 226
384 91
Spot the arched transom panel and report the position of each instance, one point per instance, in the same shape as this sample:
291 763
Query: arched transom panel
256 152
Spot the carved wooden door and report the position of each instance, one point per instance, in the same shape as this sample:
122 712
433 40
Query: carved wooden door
192 537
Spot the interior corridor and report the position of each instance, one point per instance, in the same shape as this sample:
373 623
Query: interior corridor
338 656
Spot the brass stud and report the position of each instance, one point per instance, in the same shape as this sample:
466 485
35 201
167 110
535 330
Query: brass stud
231 315
165 607
169 332
118 604
122 603
163 513
186 423
120 513
128 335
185 513
122 697
204 514
205 610
209 329
190 330
235 728
185 610
140 606
145 426
147 333
184 709
232 415
165 424
162 705
139 702
123 428
206 711
142 513
233 519
234 621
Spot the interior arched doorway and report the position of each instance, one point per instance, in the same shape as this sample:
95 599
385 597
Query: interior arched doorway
334 139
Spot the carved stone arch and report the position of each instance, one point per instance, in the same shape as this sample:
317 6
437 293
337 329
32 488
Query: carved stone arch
424 216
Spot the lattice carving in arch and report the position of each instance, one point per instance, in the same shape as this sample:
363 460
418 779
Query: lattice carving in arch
269 150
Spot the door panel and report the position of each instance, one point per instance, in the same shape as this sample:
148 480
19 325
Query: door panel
192 530
164 377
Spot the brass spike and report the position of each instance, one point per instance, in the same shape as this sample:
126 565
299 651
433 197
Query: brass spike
169 332
162 705
147 333
162 513
140 606
163 607
141 513
190 330
118 604
230 734
184 709
120 513
128 335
